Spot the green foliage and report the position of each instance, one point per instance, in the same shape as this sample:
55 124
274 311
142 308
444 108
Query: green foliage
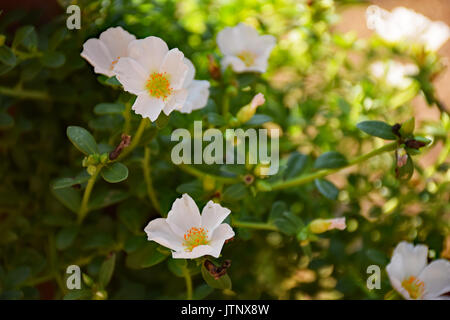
61 205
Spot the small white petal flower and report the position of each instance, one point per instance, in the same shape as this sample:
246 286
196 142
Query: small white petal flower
403 24
155 74
105 52
198 90
189 234
413 278
244 49
395 73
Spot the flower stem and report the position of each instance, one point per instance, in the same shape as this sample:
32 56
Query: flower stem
135 139
322 173
254 225
84 209
200 174
188 278
23 93
148 180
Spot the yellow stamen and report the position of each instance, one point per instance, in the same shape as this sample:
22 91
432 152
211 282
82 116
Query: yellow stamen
195 237
158 85
414 286
247 57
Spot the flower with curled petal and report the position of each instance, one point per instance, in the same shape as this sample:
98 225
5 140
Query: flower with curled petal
189 234
105 52
198 90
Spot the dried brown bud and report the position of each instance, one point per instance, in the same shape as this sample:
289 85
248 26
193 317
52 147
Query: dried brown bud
213 68
414 144
396 129
125 142
217 272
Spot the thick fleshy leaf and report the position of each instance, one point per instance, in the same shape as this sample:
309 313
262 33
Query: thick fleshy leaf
53 59
115 172
65 237
69 197
106 271
62 183
109 108
330 160
295 165
82 140
377 129
145 257
327 189
7 56
25 36
105 198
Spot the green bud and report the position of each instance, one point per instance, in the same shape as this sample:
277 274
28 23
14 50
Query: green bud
246 113
407 127
100 295
104 158
209 183
91 169
87 280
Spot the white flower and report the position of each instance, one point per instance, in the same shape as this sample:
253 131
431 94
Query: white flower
413 278
155 74
244 49
395 73
190 234
198 90
403 24
104 53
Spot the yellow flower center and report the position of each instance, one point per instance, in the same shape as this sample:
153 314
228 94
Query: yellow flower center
247 57
195 237
414 286
158 85
113 63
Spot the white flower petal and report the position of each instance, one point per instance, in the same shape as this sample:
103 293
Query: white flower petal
98 55
436 277
147 106
197 98
131 75
436 35
213 215
414 258
264 45
197 252
190 73
236 64
149 52
246 34
175 67
220 234
184 215
229 41
158 230
117 40
176 101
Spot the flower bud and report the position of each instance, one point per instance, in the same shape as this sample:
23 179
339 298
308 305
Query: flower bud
104 158
407 127
91 169
248 111
323 225
209 183
100 295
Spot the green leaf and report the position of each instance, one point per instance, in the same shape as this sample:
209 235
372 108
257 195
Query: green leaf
216 119
162 120
56 38
235 192
7 56
65 237
53 59
145 257
25 36
82 140
295 165
6 121
405 172
327 189
377 129
330 160
194 188
106 271
104 198
258 119
224 282
176 266
109 108
114 173
78 294
69 197
288 223
112 81
62 183
17 276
